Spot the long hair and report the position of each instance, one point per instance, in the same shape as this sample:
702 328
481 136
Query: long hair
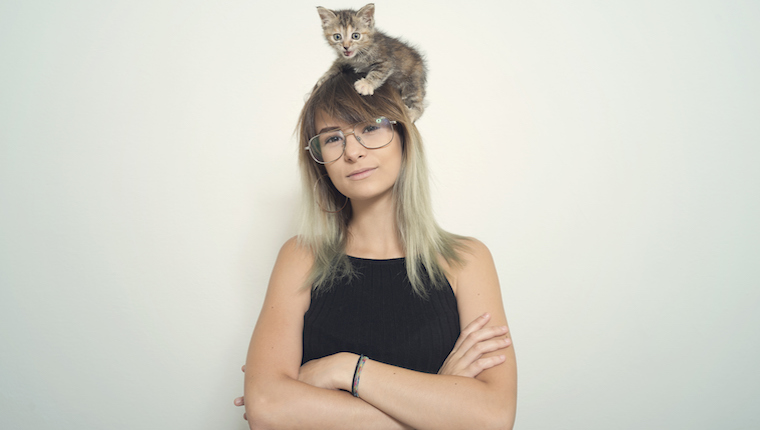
325 233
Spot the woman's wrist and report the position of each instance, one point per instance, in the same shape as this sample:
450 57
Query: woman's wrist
357 374
343 377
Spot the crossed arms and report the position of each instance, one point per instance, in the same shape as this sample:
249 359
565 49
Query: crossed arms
475 388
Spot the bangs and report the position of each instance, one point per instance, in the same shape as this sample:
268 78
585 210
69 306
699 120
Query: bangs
338 99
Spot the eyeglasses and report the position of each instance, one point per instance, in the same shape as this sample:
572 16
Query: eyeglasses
329 146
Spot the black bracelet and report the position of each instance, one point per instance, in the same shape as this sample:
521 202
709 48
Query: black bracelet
357 373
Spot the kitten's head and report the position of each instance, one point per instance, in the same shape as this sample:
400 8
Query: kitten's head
347 31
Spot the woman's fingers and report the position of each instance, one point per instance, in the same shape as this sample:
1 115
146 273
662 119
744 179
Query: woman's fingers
472 327
482 364
481 335
240 401
484 347
476 340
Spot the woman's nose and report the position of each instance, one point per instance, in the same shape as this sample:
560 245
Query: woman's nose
354 150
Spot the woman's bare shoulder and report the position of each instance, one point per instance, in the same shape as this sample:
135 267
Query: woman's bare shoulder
296 251
296 248
471 248
477 284
293 264
473 256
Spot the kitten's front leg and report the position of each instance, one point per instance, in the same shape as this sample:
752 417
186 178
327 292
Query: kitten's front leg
375 78
364 87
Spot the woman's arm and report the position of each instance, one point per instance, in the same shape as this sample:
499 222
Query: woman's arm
425 401
274 398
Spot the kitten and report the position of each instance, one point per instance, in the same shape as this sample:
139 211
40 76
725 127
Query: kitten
367 50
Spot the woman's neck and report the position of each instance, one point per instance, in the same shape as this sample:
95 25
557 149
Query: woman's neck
372 231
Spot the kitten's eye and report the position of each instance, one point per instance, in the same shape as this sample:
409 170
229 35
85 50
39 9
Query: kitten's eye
337 37
356 36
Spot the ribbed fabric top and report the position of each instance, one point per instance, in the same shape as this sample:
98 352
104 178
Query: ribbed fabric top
377 314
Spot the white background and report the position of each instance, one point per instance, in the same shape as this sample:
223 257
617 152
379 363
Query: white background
606 151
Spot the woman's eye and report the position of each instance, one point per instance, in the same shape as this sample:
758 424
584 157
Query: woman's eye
356 36
332 140
337 36
370 128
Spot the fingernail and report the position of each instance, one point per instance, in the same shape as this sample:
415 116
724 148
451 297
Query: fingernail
485 315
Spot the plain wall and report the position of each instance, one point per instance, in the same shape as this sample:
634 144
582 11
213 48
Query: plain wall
605 151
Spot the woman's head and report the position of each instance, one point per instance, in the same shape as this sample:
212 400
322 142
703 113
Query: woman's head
326 211
337 103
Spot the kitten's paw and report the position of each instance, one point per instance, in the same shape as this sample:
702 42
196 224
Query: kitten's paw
364 87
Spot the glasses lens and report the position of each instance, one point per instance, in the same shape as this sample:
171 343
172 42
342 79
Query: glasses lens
327 147
375 133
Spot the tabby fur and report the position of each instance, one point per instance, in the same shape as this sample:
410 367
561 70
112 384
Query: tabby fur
369 51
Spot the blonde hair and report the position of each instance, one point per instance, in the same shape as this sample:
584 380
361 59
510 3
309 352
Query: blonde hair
325 234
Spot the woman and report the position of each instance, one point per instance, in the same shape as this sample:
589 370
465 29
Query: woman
370 298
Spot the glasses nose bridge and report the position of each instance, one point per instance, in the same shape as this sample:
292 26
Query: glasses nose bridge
355 151
356 136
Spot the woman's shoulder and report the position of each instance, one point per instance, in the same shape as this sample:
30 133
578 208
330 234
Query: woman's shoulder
470 248
295 247
467 250
294 261
472 256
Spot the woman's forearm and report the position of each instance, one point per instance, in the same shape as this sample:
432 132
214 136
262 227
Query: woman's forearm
426 401
285 403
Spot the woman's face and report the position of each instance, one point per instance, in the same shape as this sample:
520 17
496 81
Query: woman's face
361 173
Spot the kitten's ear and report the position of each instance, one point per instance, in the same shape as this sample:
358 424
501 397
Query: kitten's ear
326 14
367 15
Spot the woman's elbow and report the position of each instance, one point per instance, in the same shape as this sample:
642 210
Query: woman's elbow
498 417
262 412
498 421
269 402
503 421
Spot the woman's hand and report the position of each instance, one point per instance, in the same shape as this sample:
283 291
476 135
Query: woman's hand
240 401
334 372
466 359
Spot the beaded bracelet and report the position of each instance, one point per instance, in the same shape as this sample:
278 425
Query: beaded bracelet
357 374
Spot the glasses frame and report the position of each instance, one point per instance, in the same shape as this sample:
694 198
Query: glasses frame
345 135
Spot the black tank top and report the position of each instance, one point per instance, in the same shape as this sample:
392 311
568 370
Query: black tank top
377 314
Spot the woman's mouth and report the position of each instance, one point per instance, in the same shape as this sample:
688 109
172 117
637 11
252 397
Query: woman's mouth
361 174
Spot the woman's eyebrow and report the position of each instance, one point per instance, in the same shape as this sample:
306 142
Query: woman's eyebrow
329 128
